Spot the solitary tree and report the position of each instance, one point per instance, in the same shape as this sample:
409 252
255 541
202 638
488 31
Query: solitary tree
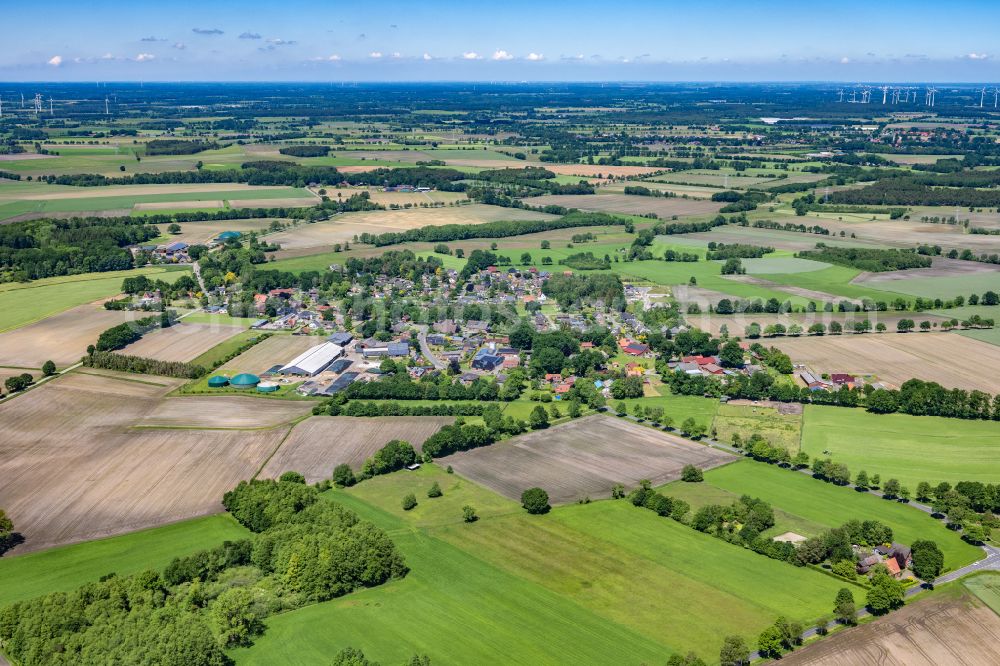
174 228
691 474
734 652
409 502
434 490
48 368
928 559
844 609
469 514
769 643
538 419
343 476
535 501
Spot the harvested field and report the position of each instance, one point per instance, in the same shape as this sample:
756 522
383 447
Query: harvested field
277 349
47 194
940 267
954 629
897 357
74 470
582 458
320 443
17 157
344 227
629 204
181 342
63 338
223 411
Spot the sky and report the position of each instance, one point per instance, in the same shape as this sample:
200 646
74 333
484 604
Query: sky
515 40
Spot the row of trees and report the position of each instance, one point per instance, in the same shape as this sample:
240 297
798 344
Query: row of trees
144 366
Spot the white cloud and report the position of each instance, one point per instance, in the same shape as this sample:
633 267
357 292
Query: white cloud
578 56
534 57
180 46
249 35
55 61
282 42
396 55
375 54
334 58
845 60
977 56
428 56
471 55
145 57
107 56
500 54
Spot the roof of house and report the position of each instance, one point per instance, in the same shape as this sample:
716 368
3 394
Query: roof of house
892 566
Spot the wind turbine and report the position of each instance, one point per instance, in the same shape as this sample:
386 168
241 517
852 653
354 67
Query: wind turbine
996 96
107 110
982 97
885 92
841 98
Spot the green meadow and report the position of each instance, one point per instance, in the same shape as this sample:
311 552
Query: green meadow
597 583
26 302
68 567
831 506
909 448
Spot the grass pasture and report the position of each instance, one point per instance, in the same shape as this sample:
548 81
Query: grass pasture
908 448
780 429
602 583
825 504
582 458
629 204
65 568
24 303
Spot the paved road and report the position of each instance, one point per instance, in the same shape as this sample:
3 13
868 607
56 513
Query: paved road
426 350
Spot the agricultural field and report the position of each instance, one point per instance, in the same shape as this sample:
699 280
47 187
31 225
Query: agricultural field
629 204
181 342
825 504
223 411
897 357
320 443
344 228
909 448
26 302
125 198
952 627
986 586
678 407
576 585
779 424
582 458
62 338
65 568
76 469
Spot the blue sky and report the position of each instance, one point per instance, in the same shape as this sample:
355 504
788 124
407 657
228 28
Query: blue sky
768 40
